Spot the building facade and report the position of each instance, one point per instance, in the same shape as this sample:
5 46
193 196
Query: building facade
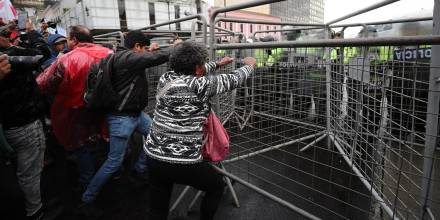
107 15
263 9
304 11
248 29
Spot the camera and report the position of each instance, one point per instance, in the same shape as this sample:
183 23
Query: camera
24 61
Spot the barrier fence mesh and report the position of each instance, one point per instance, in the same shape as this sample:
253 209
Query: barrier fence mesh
378 105
339 132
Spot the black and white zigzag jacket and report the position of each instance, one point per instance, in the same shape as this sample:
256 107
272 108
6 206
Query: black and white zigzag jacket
176 132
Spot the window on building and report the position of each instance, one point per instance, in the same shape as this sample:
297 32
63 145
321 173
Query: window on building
177 15
152 14
241 28
230 26
251 28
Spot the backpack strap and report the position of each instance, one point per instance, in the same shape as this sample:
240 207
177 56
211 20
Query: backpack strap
127 95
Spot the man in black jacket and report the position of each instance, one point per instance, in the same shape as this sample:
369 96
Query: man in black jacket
129 80
21 110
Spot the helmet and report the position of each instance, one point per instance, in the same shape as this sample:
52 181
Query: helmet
267 38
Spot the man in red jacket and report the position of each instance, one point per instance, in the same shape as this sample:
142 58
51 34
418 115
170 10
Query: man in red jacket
64 80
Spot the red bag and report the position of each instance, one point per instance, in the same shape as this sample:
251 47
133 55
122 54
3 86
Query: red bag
216 139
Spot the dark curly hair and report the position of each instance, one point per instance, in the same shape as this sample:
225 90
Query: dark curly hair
186 56
134 37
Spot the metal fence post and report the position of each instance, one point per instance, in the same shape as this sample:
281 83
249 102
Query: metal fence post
328 87
432 115
121 34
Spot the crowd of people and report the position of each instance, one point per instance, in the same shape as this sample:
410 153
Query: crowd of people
49 93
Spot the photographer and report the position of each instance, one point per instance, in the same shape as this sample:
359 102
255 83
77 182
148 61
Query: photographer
21 110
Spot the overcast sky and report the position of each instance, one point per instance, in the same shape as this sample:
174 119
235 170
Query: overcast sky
401 9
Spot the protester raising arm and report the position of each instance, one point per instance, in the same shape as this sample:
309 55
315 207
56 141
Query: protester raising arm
142 54
210 67
208 86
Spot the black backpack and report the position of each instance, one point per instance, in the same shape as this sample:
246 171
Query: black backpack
99 95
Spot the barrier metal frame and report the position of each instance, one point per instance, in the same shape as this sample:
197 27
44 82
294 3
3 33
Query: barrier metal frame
433 95
434 87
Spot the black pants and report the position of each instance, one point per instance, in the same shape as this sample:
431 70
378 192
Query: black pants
200 176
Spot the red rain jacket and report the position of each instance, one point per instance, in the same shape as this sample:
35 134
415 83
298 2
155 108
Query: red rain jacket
65 80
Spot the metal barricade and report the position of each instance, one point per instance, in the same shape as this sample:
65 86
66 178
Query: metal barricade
350 136
114 39
378 110
332 129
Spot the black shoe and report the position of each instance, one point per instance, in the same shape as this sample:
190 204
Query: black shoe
89 211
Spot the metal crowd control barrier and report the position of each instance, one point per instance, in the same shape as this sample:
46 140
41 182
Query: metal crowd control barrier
308 26
283 30
201 18
345 26
380 114
114 38
338 136
383 22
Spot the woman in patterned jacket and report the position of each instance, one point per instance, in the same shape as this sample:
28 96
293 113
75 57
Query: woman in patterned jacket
175 140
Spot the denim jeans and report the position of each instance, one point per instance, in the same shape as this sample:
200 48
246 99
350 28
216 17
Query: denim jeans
121 128
85 163
29 143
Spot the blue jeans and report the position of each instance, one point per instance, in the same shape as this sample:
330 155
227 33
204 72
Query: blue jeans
121 128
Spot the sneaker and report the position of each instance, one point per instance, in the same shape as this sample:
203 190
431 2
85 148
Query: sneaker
89 211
